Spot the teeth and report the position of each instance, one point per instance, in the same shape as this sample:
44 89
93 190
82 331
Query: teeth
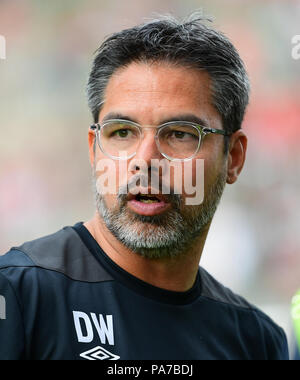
148 200
145 198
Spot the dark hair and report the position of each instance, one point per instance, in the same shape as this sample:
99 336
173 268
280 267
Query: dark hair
190 43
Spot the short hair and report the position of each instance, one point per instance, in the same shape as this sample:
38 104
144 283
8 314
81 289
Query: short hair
191 44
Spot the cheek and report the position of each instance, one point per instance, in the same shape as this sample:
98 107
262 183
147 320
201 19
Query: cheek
199 175
214 159
107 179
110 201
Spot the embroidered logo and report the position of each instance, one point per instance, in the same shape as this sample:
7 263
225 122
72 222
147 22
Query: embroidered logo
89 326
99 353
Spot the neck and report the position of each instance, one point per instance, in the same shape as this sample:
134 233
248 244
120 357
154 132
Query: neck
176 274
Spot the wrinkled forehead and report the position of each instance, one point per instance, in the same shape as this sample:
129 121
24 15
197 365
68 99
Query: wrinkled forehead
151 93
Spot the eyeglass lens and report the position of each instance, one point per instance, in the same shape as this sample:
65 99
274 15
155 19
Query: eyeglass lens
177 141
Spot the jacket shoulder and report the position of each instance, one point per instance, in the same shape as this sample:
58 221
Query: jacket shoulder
254 321
15 258
214 290
63 252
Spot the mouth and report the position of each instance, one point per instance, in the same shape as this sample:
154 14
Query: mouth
148 204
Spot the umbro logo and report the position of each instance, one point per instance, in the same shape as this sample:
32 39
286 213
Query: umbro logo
99 353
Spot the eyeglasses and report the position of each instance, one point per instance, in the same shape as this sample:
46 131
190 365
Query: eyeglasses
176 140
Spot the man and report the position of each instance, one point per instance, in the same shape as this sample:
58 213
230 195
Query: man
166 97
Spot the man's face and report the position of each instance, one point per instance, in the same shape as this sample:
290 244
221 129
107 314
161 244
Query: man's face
150 95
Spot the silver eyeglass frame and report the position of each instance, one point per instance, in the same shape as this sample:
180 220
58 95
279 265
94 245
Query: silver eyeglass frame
203 131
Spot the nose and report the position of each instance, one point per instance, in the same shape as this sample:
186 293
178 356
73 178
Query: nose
146 151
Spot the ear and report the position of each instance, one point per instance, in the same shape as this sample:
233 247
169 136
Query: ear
236 155
92 150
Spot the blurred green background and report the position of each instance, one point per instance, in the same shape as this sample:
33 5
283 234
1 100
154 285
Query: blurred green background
45 178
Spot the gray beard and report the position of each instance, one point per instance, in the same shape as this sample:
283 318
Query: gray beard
161 236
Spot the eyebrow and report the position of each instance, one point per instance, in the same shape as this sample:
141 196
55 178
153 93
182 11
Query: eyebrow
181 117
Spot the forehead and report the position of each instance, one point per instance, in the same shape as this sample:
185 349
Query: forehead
152 92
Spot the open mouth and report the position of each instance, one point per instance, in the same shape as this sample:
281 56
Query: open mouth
147 198
148 204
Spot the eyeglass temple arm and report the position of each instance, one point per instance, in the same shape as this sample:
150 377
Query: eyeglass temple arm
217 131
